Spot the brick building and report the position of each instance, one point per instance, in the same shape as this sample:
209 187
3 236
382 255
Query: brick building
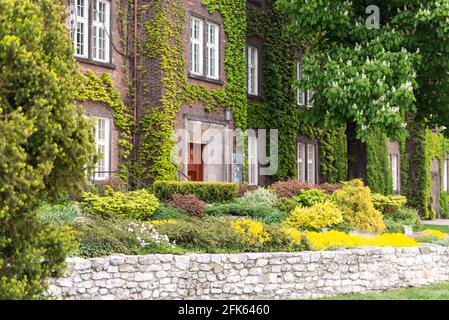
169 61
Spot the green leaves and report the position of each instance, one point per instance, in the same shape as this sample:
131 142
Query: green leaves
45 143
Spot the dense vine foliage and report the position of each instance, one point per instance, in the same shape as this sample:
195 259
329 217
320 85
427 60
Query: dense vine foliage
164 44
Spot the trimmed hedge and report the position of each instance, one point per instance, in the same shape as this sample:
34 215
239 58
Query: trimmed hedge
206 191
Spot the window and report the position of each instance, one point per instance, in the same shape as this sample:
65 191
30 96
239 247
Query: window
301 162
445 177
212 51
81 36
253 71
311 164
306 162
204 59
302 98
90 23
196 46
100 31
253 161
102 147
394 162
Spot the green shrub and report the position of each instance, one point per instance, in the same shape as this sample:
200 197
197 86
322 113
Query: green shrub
165 212
309 198
354 200
286 205
207 191
388 204
204 235
138 205
57 214
403 217
260 197
99 237
46 144
321 215
263 214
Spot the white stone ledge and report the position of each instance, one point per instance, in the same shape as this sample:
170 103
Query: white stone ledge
252 275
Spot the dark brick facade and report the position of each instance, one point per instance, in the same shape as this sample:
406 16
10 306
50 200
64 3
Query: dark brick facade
118 70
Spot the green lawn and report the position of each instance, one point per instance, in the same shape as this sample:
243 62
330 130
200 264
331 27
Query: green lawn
444 229
434 292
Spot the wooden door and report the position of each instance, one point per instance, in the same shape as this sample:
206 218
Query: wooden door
196 165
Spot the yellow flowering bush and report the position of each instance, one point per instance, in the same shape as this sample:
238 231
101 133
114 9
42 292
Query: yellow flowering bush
294 235
156 223
334 239
436 233
134 205
252 232
354 200
322 215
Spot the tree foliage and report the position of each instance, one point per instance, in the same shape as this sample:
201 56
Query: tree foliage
45 143
372 77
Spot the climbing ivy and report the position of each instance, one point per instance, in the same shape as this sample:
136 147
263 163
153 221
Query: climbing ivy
424 146
278 109
101 89
378 170
165 44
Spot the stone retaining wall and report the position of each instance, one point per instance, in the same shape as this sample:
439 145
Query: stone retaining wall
252 275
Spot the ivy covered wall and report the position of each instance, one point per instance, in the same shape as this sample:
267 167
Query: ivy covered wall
163 44
279 110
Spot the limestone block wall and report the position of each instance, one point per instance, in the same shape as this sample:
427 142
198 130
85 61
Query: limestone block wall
252 275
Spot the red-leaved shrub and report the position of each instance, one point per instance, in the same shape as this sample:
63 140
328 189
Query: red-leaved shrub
189 203
291 188
244 188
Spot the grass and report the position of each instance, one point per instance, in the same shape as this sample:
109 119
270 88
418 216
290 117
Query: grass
433 292
444 229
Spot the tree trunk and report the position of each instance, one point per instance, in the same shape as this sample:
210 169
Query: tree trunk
357 156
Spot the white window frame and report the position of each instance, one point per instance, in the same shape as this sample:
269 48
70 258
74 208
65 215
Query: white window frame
84 21
394 164
301 161
103 141
97 27
311 163
445 175
197 42
253 161
213 51
303 98
253 71
306 160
